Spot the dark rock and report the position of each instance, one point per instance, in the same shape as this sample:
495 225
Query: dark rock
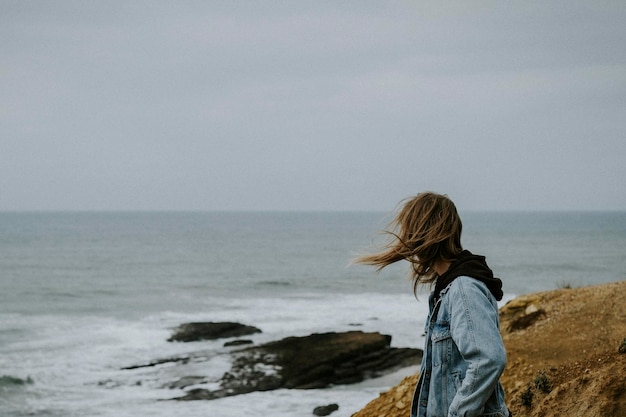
315 361
325 410
182 359
7 380
238 342
191 332
622 346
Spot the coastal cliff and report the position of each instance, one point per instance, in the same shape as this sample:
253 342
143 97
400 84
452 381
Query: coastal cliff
566 356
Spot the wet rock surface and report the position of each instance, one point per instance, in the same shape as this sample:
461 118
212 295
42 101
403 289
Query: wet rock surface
238 342
192 332
314 361
325 410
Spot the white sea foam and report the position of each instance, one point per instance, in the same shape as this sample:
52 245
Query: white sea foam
76 362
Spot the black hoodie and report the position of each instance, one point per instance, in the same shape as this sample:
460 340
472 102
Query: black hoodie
470 265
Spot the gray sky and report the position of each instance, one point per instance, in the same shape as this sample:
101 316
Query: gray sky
311 105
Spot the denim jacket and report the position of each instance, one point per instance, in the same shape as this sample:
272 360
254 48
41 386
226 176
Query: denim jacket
463 356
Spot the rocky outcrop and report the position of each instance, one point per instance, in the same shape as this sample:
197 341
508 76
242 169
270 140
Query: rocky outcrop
238 342
325 410
314 361
563 356
192 332
8 380
520 313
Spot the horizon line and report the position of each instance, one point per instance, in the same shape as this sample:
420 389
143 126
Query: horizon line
260 211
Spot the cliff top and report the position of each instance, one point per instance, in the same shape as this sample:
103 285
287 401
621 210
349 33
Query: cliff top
563 357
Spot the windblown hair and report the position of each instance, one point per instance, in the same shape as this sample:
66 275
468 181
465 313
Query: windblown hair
425 230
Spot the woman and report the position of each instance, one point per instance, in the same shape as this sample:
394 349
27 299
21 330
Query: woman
464 355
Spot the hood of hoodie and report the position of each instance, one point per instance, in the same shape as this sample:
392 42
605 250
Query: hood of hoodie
470 265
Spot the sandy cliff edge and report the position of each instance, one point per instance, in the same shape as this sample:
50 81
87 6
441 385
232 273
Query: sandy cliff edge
563 357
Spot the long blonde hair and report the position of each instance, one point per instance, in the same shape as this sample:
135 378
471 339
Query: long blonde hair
425 230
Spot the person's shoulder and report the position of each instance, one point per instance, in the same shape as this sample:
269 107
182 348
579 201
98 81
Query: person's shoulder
467 284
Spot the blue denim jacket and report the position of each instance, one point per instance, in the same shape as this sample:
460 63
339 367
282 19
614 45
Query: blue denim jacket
463 356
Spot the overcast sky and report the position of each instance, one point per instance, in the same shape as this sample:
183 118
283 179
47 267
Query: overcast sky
312 105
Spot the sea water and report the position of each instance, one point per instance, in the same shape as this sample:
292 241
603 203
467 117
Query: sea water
84 295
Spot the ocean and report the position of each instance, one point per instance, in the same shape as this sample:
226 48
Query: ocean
84 295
